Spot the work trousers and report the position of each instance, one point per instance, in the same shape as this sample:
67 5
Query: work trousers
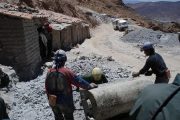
62 115
162 79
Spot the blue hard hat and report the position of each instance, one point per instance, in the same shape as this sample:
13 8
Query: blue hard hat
147 46
60 56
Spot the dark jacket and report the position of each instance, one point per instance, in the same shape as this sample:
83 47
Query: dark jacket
66 100
157 65
153 97
90 79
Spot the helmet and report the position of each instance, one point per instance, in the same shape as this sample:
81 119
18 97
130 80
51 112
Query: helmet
60 56
147 46
97 73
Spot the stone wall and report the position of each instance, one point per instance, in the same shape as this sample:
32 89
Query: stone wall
56 39
19 46
69 36
32 50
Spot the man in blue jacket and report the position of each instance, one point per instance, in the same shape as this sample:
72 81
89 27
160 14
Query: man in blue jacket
154 64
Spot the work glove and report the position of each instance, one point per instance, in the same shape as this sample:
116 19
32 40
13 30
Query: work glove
135 74
93 85
148 73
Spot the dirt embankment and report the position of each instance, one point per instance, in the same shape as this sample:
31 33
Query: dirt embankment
110 7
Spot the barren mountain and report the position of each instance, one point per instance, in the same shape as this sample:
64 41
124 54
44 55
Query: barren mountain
71 8
161 11
131 1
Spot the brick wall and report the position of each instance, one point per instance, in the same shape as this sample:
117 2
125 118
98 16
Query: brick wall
32 50
19 49
11 38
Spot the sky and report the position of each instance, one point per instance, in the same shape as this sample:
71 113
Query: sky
135 1
157 0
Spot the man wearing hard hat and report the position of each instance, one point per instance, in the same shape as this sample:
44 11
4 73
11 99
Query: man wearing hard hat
154 64
96 76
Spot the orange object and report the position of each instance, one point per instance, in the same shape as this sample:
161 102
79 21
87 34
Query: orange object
52 100
168 74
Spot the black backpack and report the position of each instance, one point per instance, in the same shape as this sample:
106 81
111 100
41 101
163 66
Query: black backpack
56 83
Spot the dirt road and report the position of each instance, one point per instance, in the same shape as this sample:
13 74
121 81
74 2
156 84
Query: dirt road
107 42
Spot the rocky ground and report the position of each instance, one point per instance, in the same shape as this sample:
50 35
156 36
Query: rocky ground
28 100
158 38
116 53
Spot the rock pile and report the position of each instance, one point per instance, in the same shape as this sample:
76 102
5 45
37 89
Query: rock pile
113 70
142 35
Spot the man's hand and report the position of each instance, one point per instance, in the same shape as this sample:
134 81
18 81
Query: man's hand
93 85
148 73
135 74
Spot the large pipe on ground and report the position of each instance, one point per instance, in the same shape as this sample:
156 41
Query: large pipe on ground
109 100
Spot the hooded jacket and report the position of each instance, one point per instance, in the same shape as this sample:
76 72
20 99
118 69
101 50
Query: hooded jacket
158 102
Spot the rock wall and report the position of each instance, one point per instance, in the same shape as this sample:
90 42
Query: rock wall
69 35
32 50
19 46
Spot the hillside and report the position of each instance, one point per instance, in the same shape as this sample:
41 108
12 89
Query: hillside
71 8
160 11
115 8
131 1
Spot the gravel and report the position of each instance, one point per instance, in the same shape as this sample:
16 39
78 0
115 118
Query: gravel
28 100
141 35
113 71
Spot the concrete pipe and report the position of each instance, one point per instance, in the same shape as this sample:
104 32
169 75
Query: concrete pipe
109 100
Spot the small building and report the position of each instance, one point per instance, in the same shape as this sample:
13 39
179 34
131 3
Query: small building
19 46
19 38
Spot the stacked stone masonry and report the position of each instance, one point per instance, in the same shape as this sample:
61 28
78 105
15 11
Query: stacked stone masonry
70 36
19 39
19 46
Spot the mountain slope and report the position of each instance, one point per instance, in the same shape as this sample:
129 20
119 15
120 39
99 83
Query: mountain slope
71 7
131 1
161 11
115 8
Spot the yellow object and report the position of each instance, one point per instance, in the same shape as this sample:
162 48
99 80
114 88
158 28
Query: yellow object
97 73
